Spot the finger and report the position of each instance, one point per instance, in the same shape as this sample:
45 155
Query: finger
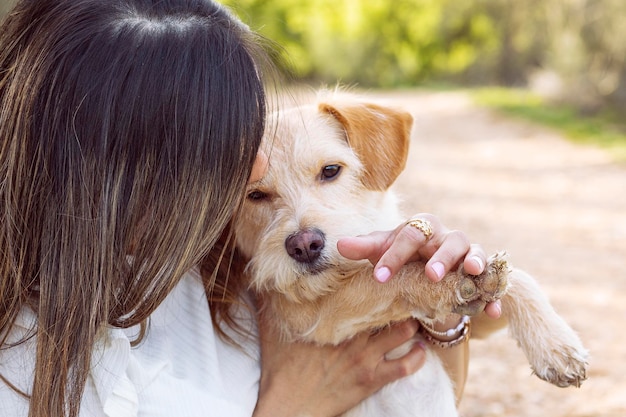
475 260
407 245
452 250
392 337
370 246
494 309
391 370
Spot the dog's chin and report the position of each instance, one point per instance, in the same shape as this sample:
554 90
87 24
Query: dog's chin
308 282
316 268
328 266
300 282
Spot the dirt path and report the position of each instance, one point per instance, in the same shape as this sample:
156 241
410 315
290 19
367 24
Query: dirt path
560 211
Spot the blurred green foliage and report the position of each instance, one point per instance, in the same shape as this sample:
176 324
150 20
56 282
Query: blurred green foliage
569 51
378 43
578 45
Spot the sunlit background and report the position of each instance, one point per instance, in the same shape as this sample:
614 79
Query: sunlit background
574 49
568 53
519 140
561 63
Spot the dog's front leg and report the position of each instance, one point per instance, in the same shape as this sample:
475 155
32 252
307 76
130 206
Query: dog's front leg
553 349
458 292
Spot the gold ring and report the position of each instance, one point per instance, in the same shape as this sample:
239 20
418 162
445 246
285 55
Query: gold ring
423 226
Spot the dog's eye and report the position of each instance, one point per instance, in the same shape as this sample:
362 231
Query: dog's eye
257 195
330 172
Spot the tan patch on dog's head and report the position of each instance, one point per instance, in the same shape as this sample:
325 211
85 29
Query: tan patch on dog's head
379 135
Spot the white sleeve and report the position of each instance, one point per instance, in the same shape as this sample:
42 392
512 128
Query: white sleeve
181 368
17 366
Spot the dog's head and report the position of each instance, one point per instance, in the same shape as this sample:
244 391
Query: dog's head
330 169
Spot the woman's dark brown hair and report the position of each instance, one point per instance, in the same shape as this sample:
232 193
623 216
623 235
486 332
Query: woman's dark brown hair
127 127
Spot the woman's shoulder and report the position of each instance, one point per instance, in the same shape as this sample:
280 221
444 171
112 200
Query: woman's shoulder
17 368
17 356
17 365
181 346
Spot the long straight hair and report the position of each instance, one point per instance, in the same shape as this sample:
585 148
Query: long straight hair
127 127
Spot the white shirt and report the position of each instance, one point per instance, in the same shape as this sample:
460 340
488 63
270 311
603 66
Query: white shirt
181 368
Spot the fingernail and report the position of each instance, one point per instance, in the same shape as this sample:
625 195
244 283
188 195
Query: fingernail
479 262
438 268
498 307
382 274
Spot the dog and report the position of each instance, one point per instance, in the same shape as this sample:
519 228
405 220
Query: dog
331 167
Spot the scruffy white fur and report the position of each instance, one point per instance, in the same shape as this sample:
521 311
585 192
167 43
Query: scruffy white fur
331 166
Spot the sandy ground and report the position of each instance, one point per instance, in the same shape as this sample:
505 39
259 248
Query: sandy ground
560 211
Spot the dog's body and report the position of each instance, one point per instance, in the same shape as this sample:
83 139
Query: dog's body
331 166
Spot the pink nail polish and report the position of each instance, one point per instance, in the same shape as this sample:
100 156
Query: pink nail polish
382 274
479 262
498 307
439 269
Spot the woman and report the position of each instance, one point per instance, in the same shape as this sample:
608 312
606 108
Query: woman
128 129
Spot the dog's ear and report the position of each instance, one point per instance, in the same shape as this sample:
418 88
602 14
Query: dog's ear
379 135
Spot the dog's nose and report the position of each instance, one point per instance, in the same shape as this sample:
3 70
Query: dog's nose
306 245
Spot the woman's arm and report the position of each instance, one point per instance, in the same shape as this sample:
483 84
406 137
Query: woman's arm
455 358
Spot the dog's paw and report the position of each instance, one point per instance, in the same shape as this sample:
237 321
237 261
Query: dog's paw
565 366
475 291
561 359
569 371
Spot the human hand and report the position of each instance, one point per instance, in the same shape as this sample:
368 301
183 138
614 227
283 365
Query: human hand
305 380
445 250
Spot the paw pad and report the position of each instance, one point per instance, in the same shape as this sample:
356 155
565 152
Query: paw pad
467 289
476 291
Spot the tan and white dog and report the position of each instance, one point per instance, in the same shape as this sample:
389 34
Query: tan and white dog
330 168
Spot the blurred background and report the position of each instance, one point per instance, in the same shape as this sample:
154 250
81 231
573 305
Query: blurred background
560 63
572 50
519 140
551 61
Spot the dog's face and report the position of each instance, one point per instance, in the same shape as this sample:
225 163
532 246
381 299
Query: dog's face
330 167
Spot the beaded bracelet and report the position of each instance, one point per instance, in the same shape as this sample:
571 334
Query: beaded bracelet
461 331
